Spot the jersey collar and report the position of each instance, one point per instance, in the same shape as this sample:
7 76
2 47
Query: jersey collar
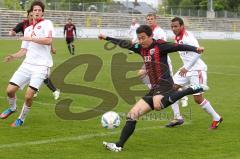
180 36
37 21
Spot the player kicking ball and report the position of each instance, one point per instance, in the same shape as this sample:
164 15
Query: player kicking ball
162 93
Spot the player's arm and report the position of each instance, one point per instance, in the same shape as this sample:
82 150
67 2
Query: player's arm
75 31
53 49
18 28
64 30
43 41
167 47
127 44
22 52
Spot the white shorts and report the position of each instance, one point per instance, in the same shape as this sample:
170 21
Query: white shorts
191 78
34 75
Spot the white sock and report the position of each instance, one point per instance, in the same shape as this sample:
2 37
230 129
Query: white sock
184 98
146 81
176 111
209 109
24 112
12 103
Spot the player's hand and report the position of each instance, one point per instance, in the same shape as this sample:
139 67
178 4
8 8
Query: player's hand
9 58
183 71
101 37
12 33
200 50
53 50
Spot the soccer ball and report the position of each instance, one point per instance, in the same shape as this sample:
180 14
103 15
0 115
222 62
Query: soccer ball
110 120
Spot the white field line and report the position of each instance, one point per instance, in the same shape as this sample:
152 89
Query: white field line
74 138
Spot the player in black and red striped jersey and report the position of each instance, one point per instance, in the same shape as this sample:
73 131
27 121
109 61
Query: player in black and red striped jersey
162 93
20 27
69 28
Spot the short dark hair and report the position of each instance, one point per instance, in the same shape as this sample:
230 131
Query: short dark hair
69 18
144 29
180 20
37 3
151 15
28 12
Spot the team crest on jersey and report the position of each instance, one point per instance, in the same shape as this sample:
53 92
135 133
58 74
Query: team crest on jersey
152 51
39 27
147 58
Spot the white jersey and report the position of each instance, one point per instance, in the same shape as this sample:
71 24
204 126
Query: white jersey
38 54
132 32
191 60
159 33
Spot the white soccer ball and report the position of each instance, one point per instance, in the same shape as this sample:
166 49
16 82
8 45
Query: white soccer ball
110 120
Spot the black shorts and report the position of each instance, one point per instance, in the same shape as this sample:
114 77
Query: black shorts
69 40
164 87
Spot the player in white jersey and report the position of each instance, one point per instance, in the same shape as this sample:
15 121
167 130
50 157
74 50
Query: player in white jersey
36 45
193 71
132 31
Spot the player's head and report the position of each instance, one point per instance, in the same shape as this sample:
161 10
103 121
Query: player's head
144 33
177 25
151 19
134 20
29 15
37 8
69 20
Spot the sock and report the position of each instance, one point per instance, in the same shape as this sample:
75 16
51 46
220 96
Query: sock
146 81
176 111
209 109
73 49
127 131
176 95
69 48
12 103
50 85
24 112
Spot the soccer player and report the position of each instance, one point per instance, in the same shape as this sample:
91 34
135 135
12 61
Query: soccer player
69 28
193 71
36 45
162 93
132 31
20 27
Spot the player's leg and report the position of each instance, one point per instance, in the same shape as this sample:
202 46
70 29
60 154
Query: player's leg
19 79
12 99
142 73
203 102
73 46
69 45
26 106
139 109
178 119
49 84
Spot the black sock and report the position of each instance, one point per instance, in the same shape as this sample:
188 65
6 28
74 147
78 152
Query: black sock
127 131
73 49
69 48
176 95
50 85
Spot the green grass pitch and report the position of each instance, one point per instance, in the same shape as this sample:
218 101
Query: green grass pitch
45 135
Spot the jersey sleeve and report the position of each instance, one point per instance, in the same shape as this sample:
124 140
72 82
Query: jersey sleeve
167 47
25 44
49 29
18 28
125 44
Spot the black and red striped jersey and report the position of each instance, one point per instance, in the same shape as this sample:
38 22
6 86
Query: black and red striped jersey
20 27
154 57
